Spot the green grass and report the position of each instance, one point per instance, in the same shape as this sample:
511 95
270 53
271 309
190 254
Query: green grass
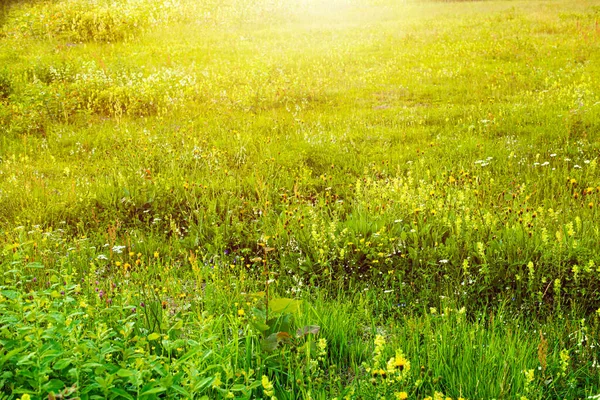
173 174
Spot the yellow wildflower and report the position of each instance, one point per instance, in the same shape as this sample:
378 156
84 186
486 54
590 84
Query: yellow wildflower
267 386
217 382
399 362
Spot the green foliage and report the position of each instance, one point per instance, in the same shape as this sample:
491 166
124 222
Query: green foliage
236 199
66 92
83 21
65 332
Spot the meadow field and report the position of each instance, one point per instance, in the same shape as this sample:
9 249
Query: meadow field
299 199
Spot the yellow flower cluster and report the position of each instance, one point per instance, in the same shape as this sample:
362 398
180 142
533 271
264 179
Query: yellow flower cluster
379 346
268 387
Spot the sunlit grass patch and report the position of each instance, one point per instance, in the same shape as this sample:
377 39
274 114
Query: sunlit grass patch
299 199
89 21
66 92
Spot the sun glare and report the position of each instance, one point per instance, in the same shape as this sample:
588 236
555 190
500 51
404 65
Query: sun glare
316 8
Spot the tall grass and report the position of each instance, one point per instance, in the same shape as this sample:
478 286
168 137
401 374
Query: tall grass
292 199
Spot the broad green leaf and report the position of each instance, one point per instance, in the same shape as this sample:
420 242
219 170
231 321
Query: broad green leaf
124 373
284 304
254 385
62 363
154 336
283 322
7 375
204 383
122 393
181 391
91 365
11 294
11 354
53 385
152 391
270 343
89 387
260 326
